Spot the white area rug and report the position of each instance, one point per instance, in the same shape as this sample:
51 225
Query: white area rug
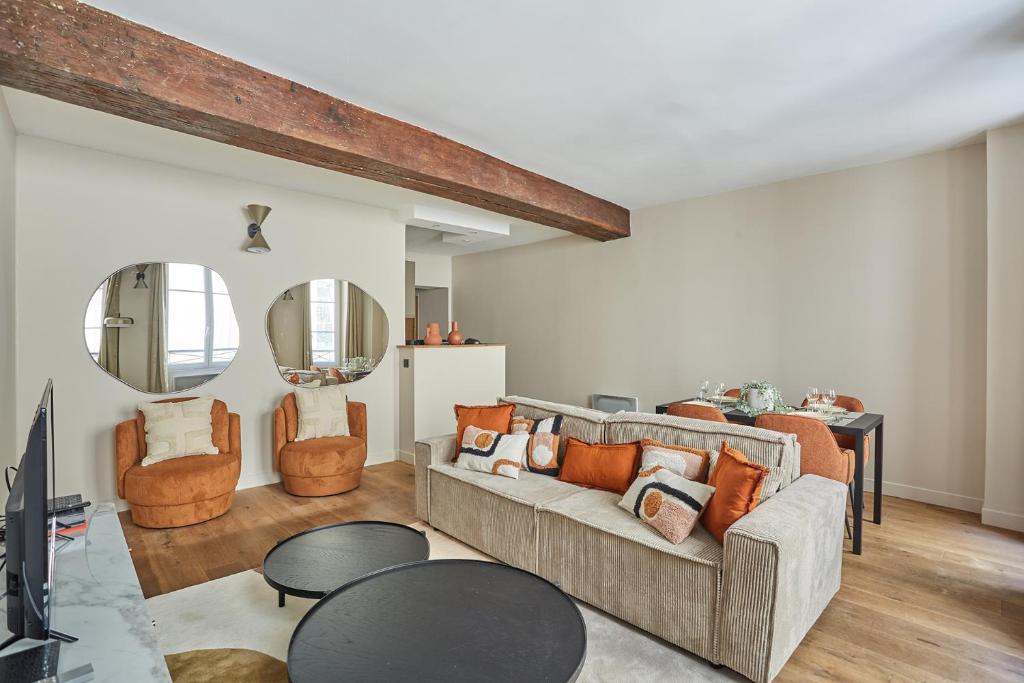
240 611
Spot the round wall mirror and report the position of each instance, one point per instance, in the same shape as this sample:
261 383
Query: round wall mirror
162 327
326 332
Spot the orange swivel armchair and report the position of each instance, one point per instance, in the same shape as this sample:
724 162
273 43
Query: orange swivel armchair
696 412
180 491
323 466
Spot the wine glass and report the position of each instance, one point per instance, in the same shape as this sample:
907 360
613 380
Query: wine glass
716 397
702 392
830 398
812 398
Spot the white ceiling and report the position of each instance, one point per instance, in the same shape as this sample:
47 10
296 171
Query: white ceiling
42 117
644 103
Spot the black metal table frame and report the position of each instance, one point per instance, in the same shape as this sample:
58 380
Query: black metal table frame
283 590
858 428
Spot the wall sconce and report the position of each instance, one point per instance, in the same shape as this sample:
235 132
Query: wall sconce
257 243
140 276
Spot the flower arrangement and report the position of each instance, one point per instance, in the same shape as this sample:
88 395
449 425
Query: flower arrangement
760 397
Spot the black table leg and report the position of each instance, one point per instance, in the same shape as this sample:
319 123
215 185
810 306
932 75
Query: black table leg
858 493
280 599
878 475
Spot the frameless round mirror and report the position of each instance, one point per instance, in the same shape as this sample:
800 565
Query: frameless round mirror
162 327
326 332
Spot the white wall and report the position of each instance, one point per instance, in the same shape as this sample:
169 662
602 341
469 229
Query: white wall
1004 442
432 270
81 214
870 280
8 432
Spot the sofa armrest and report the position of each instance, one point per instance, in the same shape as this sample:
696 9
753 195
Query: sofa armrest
782 565
432 451
126 450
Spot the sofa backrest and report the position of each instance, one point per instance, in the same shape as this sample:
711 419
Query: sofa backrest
776 451
584 424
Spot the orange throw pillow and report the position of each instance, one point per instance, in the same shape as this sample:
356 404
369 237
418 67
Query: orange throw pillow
738 483
610 467
490 418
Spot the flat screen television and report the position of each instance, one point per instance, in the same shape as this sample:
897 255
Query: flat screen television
30 535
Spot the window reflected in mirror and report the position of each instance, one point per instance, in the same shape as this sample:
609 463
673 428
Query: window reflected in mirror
162 327
326 332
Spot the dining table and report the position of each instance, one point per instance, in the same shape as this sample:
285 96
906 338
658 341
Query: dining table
857 425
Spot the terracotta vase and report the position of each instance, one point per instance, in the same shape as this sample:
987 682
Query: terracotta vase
455 337
433 336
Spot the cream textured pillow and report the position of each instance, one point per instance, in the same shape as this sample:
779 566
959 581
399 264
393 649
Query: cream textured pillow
670 503
174 430
323 411
483 450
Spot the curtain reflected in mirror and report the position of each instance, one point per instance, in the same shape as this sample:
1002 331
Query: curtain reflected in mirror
162 327
326 332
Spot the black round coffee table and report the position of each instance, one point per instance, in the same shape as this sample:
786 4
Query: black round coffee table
441 620
314 562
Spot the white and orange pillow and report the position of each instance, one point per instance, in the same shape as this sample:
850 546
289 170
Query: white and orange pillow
486 450
542 450
691 463
670 503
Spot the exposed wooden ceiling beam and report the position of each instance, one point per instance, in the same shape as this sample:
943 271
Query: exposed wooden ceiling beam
79 54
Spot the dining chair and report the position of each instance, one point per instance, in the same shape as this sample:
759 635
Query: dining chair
734 393
696 412
853 405
819 452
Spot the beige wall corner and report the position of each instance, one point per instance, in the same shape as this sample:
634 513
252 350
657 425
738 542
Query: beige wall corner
1004 426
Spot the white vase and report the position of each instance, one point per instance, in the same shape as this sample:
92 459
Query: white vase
756 401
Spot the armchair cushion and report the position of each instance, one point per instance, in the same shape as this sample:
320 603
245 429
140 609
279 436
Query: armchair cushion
182 480
177 429
324 457
218 421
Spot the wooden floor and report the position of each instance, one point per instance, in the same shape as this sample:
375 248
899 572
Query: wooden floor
935 596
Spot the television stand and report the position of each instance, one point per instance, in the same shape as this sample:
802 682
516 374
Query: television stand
96 596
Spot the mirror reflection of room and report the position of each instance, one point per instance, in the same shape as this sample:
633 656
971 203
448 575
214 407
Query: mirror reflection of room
326 331
162 327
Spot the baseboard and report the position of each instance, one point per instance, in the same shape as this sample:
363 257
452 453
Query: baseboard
931 496
407 458
1004 520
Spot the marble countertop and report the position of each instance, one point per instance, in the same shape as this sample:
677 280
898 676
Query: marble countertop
98 600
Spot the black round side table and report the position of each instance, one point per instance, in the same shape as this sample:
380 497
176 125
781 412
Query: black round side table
441 620
314 562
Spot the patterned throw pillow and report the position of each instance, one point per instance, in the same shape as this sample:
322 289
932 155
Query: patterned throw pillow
485 450
174 430
666 501
691 463
542 451
323 411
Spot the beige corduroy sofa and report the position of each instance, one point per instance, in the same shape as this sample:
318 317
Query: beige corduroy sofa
746 605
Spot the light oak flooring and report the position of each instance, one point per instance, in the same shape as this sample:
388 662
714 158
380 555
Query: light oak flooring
935 596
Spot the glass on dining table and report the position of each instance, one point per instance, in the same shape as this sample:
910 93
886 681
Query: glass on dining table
718 393
703 389
829 398
813 398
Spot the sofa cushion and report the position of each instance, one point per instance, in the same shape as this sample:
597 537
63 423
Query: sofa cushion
600 510
495 515
182 480
530 489
492 418
776 451
324 457
584 424
599 553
